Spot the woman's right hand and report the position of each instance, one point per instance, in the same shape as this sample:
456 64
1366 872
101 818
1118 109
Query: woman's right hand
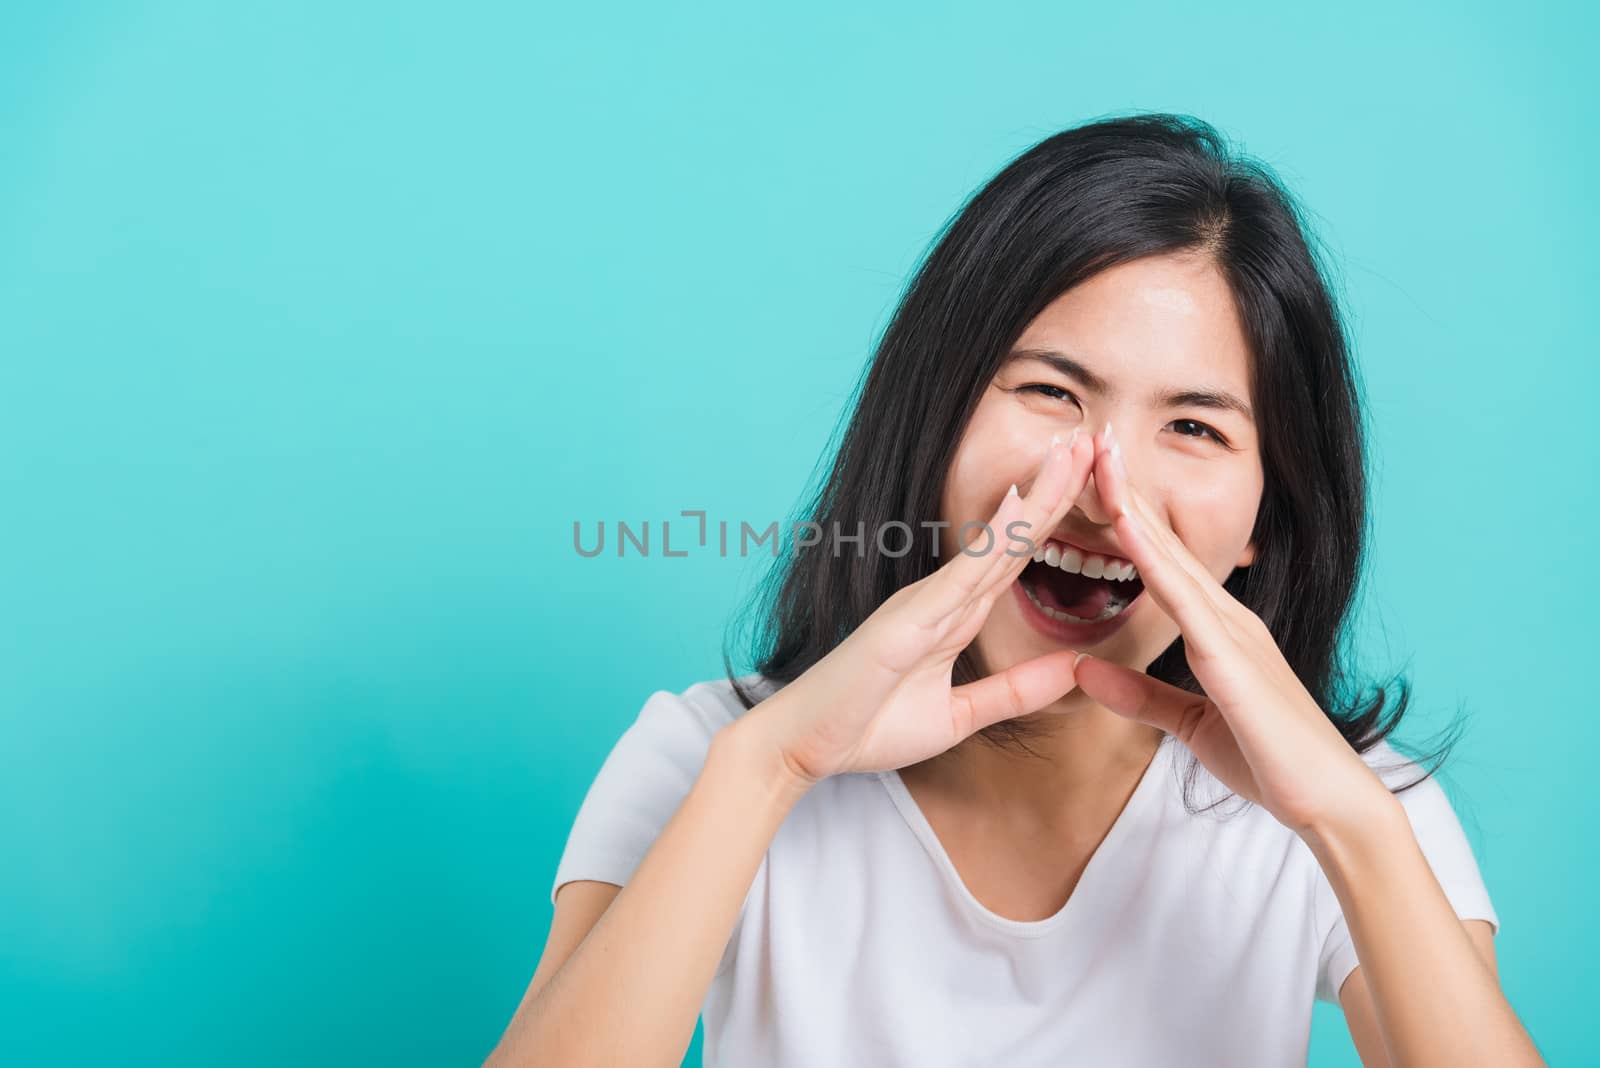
882 698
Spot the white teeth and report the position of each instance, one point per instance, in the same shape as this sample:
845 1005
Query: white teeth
1091 566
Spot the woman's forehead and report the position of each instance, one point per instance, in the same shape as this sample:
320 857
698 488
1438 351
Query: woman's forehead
1159 322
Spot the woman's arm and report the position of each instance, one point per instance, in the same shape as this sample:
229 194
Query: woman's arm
1362 1017
1260 731
632 990
1434 997
882 698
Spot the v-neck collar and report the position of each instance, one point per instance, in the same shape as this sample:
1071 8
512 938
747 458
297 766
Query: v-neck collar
1099 884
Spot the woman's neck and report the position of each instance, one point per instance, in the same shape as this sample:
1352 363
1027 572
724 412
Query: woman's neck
1087 755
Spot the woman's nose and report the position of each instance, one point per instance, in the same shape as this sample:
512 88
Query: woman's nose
1089 502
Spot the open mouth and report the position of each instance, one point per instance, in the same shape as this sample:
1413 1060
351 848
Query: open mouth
1070 585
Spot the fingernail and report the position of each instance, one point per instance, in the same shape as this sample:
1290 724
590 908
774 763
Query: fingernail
1116 458
1107 434
1012 492
1077 658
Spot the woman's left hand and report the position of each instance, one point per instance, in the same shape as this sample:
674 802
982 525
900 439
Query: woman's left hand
1257 728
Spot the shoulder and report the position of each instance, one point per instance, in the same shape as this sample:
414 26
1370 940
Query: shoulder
703 708
1419 792
677 726
1393 766
645 776
716 701
1437 827
1444 844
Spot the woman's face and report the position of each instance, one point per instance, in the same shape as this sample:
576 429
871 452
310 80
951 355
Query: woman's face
1155 348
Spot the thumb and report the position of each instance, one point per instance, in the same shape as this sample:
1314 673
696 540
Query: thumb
1016 691
1137 696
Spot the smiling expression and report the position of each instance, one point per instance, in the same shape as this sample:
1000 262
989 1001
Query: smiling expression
1154 347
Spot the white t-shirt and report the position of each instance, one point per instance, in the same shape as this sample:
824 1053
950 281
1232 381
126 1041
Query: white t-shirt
1188 940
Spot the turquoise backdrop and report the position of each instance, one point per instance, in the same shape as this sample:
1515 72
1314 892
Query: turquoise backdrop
321 323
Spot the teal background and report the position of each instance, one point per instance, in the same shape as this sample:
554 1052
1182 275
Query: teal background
321 323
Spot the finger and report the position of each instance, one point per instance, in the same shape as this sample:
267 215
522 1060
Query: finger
1052 494
1135 695
1016 691
1179 592
1219 599
960 580
990 573
1168 539
1051 497
970 576
1129 498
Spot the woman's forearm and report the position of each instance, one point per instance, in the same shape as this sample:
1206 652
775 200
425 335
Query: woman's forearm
1436 1000
632 990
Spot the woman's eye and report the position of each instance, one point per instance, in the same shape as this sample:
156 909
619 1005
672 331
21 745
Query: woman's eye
1199 430
1189 428
1047 390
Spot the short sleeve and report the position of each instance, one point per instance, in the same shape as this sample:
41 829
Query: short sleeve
1444 844
642 782
644 779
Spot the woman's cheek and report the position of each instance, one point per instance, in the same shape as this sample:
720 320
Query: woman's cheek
985 466
1215 523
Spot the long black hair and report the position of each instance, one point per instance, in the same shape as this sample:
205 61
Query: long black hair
1083 200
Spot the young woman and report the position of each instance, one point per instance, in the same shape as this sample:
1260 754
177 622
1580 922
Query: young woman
1050 756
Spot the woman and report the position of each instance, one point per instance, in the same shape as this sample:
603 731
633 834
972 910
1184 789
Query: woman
969 810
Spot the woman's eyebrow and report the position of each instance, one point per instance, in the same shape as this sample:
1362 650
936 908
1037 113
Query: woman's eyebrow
1219 399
